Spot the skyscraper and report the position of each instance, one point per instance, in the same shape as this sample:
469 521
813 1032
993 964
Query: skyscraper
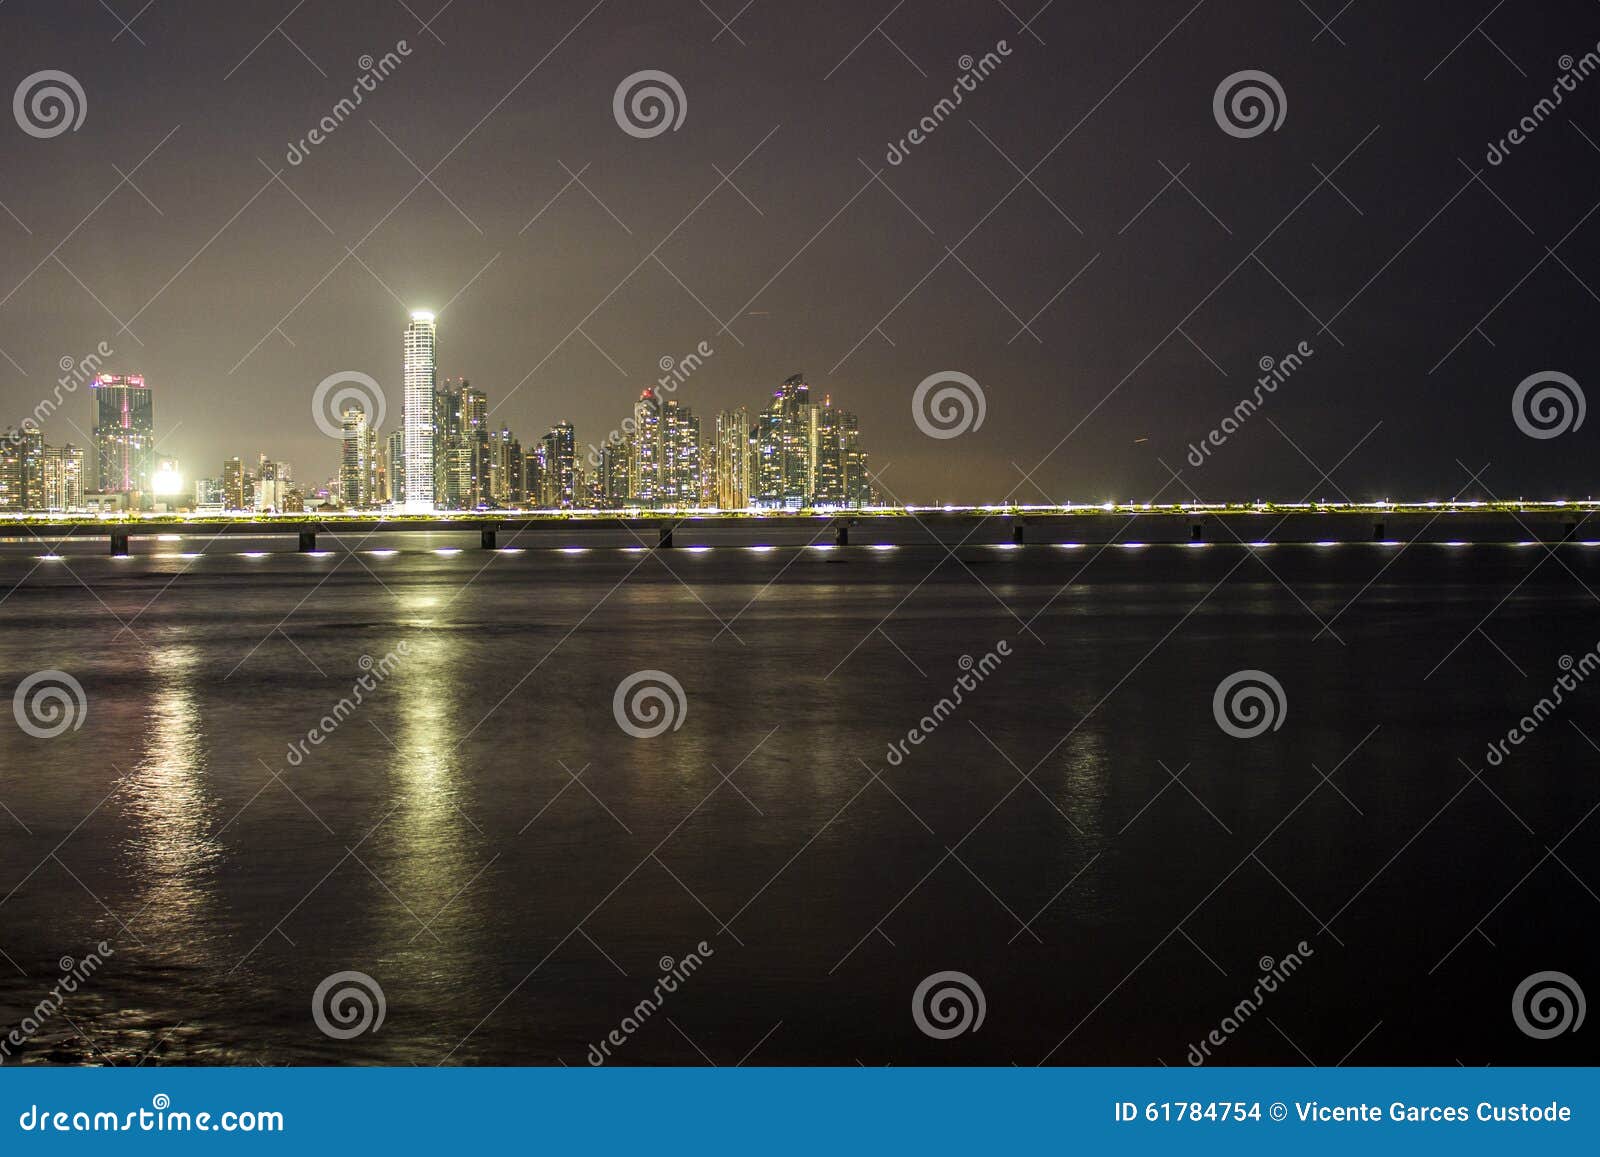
732 461
124 433
420 370
395 482
680 455
22 470
357 470
63 477
559 453
645 458
233 485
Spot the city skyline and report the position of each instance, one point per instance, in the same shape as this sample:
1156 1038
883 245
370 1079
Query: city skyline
794 454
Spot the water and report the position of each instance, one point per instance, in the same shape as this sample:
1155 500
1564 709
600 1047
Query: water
482 838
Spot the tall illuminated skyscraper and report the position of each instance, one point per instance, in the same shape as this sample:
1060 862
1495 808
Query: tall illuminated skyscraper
732 470
124 432
420 369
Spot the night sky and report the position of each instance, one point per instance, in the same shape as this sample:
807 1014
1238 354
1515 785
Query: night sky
1426 294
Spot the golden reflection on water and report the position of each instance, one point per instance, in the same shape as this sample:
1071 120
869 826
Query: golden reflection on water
173 814
429 848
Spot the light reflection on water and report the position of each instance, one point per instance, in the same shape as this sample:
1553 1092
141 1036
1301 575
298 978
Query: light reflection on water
480 837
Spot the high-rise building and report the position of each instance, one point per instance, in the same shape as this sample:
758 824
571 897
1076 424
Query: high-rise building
62 477
645 457
357 468
233 485
731 468
124 433
419 418
680 455
827 455
22 470
559 453
395 480
611 476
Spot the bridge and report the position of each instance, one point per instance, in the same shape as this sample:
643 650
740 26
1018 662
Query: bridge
1123 523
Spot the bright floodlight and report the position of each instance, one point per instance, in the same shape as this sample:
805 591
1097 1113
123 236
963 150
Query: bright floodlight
421 315
166 481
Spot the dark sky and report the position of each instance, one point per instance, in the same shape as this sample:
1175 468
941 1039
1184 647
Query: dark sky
809 254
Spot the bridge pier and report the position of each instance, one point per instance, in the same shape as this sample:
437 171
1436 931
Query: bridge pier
1377 532
841 534
1568 529
664 541
1019 532
119 544
487 539
308 541
1197 532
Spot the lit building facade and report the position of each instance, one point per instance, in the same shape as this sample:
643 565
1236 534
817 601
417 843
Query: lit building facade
418 419
124 433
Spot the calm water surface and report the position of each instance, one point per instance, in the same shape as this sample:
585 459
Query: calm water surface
1079 835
